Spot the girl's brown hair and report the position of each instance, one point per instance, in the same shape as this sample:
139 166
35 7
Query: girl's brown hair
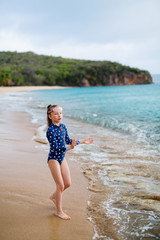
49 108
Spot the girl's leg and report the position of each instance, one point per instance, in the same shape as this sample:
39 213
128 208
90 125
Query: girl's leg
66 177
57 176
65 174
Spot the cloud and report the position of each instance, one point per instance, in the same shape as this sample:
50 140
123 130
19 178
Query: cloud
10 40
142 55
125 31
91 21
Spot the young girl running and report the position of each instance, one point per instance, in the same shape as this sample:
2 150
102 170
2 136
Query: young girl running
58 138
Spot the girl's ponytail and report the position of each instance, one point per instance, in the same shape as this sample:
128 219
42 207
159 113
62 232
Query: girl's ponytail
49 108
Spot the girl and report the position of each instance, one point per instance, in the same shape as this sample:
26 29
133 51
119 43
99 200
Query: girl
58 138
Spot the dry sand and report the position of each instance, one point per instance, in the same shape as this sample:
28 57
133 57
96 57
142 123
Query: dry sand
27 88
26 183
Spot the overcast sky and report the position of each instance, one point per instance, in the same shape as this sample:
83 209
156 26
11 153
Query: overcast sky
125 31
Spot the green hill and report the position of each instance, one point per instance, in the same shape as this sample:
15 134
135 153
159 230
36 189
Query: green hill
24 69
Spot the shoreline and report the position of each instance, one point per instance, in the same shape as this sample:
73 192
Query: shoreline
26 211
114 195
28 88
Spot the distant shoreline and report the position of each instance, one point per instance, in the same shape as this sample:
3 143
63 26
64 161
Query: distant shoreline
28 88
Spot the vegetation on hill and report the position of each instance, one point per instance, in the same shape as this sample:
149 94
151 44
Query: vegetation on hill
24 69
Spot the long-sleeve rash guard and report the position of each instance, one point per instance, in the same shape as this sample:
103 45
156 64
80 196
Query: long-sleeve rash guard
58 138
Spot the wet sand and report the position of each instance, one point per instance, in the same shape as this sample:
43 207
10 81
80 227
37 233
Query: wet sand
26 183
28 88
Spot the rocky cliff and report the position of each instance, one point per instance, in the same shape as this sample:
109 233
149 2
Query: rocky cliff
125 78
129 78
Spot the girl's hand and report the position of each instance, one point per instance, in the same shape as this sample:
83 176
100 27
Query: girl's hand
74 143
88 141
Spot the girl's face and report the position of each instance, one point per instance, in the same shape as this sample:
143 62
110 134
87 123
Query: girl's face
56 115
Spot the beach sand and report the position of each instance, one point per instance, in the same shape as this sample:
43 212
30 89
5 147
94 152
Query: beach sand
26 183
28 88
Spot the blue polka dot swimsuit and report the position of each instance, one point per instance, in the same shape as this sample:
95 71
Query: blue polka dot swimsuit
58 138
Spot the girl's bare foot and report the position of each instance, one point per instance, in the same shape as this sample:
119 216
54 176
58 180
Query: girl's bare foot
52 198
62 215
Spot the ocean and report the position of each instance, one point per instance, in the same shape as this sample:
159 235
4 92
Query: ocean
123 163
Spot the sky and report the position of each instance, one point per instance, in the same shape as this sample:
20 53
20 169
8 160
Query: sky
124 31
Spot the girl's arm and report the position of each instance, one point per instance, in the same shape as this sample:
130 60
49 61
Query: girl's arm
69 141
67 138
86 141
73 144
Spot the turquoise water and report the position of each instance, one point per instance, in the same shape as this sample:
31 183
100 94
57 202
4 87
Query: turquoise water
134 110
122 164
